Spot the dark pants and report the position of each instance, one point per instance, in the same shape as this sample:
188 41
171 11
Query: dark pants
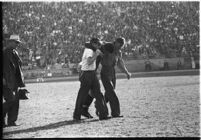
110 95
10 106
89 81
109 83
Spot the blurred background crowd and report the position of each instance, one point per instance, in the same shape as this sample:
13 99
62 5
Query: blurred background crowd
55 32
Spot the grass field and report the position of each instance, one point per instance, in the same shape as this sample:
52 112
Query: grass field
152 107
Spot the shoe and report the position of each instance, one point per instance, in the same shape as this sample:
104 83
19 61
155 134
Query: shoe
104 118
76 118
117 116
86 114
12 124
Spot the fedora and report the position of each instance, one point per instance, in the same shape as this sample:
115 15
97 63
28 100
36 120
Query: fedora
15 37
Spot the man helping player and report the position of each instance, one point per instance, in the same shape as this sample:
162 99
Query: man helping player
112 56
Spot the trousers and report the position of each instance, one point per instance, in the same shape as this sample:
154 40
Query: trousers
110 94
109 83
10 106
89 81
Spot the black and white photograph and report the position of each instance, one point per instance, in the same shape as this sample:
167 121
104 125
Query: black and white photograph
100 69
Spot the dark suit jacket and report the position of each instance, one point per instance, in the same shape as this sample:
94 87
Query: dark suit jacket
12 72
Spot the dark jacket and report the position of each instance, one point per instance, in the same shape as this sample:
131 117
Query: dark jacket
12 72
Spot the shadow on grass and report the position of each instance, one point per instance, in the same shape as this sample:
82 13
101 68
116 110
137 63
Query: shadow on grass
49 126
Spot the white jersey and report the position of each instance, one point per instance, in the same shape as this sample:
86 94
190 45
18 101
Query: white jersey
85 66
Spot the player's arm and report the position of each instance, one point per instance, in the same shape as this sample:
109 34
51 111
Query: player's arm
79 66
92 58
122 66
98 60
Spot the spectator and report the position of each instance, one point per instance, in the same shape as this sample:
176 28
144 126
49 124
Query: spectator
147 65
166 65
42 23
179 65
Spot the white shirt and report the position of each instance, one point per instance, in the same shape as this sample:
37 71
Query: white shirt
85 65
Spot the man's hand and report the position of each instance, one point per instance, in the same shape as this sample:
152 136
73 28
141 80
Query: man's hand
79 68
98 52
128 75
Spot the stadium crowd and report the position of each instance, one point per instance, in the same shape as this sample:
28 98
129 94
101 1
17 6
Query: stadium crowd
55 32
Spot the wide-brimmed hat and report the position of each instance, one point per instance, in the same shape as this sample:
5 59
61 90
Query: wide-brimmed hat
15 37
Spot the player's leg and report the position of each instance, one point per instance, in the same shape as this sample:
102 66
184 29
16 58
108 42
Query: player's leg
86 104
111 96
100 101
82 94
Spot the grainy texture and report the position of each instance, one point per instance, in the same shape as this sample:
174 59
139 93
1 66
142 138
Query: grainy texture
152 107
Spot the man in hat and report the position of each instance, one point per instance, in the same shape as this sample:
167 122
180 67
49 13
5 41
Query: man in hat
112 56
12 80
89 81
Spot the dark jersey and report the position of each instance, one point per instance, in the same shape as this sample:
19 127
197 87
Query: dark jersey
109 60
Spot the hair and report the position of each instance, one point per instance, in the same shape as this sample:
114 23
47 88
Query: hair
121 40
95 40
89 46
109 47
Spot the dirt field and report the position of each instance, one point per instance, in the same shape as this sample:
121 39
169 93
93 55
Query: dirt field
152 107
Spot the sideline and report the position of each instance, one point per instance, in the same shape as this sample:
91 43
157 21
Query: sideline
122 75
